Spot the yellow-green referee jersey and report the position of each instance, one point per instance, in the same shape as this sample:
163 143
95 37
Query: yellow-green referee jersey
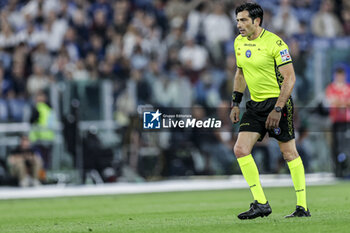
259 60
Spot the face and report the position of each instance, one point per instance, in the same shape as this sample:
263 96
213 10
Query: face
25 142
340 77
40 98
245 25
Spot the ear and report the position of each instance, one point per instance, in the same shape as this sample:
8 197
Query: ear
257 21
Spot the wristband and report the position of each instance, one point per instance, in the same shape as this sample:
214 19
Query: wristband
237 97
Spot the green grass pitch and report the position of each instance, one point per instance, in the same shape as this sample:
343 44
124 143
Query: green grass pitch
180 212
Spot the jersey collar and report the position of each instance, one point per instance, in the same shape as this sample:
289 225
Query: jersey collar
260 35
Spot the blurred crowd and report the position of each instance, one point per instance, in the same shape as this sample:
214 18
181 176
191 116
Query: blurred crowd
168 53
164 52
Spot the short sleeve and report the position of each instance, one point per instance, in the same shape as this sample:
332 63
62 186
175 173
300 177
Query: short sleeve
237 55
281 53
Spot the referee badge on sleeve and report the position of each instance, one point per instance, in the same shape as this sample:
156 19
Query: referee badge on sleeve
285 56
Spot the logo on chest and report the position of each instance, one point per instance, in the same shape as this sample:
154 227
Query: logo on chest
248 53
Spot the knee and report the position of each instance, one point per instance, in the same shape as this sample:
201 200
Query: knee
290 155
14 160
241 151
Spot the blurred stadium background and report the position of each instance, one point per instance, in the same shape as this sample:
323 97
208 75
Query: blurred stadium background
74 74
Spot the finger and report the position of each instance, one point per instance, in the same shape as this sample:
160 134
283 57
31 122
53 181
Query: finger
235 118
232 116
277 123
274 125
271 124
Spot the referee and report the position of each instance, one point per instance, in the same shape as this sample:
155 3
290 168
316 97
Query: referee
265 66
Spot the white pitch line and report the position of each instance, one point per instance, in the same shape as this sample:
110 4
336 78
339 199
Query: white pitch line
232 182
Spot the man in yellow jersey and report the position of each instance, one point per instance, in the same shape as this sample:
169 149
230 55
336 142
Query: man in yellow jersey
265 66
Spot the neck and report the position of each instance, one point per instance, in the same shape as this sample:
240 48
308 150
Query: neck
255 34
339 83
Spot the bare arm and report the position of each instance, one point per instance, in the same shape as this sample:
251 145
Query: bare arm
288 74
239 85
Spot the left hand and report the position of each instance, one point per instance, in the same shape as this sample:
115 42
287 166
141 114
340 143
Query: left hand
273 120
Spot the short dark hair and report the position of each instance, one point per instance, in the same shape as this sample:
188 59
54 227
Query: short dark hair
255 11
340 70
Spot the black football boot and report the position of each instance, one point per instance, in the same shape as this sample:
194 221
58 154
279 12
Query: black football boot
299 212
256 210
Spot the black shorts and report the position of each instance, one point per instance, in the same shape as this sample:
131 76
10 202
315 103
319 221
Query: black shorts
254 119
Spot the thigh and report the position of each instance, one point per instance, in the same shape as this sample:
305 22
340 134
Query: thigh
245 143
15 160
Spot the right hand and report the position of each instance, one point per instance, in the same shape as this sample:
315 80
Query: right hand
234 115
